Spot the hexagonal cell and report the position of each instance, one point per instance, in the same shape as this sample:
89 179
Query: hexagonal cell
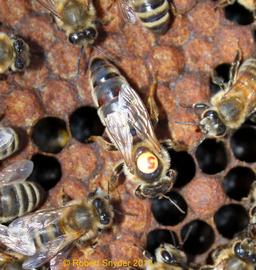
84 123
231 219
50 134
179 161
238 14
222 73
158 236
243 143
237 183
197 237
46 172
168 213
211 156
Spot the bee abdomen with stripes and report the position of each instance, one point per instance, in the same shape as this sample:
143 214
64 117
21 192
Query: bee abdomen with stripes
9 142
18 199
153 14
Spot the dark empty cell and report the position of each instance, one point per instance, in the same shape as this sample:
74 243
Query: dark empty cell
184 165
243 144
222 73
167 213
237 182
50 134
46 172
211 156
197 237
238 14
84 123
158 236
231 219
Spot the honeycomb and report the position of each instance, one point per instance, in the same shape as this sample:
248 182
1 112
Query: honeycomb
201 39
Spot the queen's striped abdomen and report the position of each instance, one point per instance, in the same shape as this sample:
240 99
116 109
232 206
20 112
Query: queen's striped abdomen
18 199
9 142
106 82
154 14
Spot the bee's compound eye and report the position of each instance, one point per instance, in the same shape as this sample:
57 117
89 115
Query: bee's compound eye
167 258
90 33
73 38
147 163
18 46
19 63
239 250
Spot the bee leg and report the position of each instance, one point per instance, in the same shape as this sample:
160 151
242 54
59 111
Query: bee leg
103 143
169 144
113 182
234 68
153 110
217 80
224 3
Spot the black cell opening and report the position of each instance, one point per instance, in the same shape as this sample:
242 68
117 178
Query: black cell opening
166 213
237 183
84 123
46 172
231 219
159 236
221 72
198 236
50 134
238 14
211 156
183 163
243 143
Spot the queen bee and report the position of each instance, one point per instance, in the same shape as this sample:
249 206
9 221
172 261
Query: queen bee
146 161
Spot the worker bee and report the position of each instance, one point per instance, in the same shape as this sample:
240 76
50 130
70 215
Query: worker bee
224 258
168 257
17 196
9 142
76 17
14 53
234 103
153 14
248 4
49 233
130 130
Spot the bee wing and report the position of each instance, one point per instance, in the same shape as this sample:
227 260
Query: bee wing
127 11
130 118
19 170
50 250
18 235
63 254
22 244
50 6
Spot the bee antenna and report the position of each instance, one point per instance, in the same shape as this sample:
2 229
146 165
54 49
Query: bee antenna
173 202
123 213
186 123
111 56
